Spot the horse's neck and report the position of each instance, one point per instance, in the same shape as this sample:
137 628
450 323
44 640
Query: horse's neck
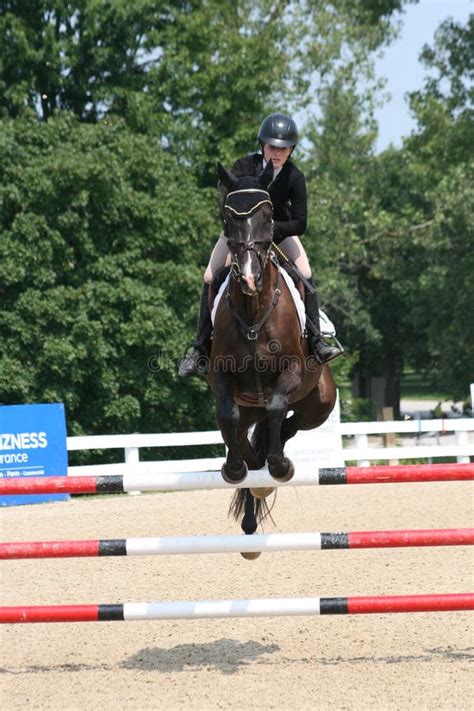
250 307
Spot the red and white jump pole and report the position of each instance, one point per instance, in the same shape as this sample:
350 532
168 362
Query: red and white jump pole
410 473
135 611
167 545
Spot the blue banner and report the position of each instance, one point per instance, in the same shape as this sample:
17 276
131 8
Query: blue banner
32 443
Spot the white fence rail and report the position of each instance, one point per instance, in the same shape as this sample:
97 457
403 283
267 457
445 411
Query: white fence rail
358 449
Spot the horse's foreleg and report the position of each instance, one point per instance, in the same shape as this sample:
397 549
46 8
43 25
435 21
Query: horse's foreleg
234 470
279 466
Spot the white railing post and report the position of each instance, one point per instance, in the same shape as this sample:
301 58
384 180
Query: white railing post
461 437
362 442
132 456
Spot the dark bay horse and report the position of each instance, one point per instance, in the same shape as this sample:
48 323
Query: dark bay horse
260 366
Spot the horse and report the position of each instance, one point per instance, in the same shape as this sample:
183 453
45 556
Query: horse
260 367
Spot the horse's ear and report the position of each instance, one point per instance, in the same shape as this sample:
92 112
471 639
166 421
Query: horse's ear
225 178
266 177
221 196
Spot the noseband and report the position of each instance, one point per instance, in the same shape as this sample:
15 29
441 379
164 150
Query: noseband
246 210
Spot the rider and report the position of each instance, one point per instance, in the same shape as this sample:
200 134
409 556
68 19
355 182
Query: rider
278 136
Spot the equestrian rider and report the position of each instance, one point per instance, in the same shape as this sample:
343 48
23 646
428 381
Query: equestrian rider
278 136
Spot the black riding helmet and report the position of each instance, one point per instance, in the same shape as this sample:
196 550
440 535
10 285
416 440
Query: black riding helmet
278 130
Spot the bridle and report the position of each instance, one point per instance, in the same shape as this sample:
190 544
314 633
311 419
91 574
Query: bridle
248 245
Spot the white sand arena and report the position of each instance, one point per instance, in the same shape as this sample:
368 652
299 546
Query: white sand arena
417 661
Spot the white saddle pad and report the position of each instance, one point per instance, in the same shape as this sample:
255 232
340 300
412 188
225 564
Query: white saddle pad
326 325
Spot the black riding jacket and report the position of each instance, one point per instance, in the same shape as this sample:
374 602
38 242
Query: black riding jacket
287 192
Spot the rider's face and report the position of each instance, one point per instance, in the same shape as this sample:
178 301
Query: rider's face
279 156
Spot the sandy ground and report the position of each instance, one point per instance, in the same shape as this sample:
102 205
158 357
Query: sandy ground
417 661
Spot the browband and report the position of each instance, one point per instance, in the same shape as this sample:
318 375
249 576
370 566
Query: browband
248 190
252 209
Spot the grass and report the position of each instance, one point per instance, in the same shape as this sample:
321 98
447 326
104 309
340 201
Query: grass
413 386
421 395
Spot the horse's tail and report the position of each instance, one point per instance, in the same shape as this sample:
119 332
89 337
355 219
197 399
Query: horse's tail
255 510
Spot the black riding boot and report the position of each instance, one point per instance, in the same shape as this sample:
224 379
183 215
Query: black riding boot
196 362
318 347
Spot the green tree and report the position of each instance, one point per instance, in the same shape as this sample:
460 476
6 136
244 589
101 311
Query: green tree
342 221
440 156
200 74
106 215
387 232
75 55
98 274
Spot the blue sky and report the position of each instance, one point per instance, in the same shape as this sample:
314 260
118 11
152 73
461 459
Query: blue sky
400 65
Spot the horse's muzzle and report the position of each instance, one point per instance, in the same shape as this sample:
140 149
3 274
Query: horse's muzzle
251 285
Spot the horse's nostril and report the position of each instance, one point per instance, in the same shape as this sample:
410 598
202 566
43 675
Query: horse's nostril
250 282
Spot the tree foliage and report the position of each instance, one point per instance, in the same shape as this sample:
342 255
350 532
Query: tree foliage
440 159
98 273
200 74
113 117
388 231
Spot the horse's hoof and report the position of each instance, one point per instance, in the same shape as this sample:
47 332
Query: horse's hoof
282 473
231 476
262 492
251 556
